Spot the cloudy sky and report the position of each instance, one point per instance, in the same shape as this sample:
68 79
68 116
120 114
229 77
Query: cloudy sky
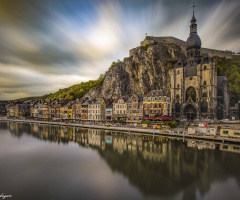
47 45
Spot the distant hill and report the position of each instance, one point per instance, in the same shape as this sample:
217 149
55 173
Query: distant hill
75 91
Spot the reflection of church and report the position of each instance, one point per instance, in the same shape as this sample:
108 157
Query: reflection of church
196 90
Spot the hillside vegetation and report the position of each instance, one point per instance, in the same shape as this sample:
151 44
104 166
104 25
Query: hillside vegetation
231 69
75 91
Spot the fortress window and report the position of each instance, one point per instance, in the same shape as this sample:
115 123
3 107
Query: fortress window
204 83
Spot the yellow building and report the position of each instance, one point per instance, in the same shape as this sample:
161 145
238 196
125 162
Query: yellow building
156 103
70 113
35 112
16 111
64 112
230 132
45 111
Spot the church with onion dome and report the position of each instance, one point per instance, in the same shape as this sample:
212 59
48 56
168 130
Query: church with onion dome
197 93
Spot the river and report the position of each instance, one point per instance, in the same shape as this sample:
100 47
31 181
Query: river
54 162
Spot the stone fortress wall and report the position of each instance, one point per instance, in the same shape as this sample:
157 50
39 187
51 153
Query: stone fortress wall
182 45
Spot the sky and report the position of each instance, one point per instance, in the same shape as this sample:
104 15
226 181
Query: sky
46 45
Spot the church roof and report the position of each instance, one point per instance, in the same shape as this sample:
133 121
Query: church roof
193 41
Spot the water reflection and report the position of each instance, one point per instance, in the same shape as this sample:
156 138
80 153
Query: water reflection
157 166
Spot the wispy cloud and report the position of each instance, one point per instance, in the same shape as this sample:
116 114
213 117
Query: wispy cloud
48 45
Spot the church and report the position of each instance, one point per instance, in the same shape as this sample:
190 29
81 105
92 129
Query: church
197 93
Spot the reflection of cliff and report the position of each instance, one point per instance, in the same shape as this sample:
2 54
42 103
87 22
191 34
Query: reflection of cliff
179 169
157 166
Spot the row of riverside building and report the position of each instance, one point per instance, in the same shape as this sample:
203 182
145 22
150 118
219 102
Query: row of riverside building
131 109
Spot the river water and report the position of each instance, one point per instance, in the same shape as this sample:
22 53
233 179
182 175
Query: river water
51 162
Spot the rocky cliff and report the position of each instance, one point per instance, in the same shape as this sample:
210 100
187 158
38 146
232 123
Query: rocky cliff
147 69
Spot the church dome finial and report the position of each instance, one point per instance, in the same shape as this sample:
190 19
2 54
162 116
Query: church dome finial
193 40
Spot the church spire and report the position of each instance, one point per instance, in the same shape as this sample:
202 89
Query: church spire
193 43
193 26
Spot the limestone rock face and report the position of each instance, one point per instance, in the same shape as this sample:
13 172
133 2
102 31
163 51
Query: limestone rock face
145 70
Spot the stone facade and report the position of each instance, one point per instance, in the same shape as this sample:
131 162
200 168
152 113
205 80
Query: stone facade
196 90
120 109
156 103
96 110
135 109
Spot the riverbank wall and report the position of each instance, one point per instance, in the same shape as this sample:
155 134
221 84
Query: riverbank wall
169 132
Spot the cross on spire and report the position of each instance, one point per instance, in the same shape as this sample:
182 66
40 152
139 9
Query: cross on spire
193 6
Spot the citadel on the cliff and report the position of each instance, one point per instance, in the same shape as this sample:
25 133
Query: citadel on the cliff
196 90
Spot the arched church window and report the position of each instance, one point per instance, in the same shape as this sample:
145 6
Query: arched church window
177 96
177 107
178 86
204 94
204 106
191 53
196 52
178 72
191 93
204 83
205 67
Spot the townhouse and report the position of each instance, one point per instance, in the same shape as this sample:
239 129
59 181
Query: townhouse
156 103
96 110
22 110
120 109
84 109
135 109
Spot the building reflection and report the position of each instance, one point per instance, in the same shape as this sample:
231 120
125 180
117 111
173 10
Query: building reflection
158 166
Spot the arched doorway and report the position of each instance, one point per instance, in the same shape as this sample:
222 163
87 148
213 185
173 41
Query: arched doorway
190 112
